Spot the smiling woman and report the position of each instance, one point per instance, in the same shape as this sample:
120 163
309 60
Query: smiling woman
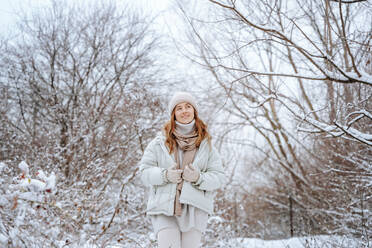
184 113
183 170
183 106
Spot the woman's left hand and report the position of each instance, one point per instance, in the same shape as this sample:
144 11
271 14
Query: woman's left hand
190 174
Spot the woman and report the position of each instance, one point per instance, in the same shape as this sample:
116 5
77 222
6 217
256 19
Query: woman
182 170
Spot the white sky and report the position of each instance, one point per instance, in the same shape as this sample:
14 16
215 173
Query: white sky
9 9
7 14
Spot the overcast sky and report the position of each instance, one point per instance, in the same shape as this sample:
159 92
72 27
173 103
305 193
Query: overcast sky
8 9
168 22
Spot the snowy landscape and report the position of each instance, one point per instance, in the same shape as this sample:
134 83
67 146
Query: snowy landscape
284 86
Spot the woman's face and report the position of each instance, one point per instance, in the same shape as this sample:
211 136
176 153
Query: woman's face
184 112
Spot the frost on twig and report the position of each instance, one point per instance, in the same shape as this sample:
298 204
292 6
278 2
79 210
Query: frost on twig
339 130
25 182
29 197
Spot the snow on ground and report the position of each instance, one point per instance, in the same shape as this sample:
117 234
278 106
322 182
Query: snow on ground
297 242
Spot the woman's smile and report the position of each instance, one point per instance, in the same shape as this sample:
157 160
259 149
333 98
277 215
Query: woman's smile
184 112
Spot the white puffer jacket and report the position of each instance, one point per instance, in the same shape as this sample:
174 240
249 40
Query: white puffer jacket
200 194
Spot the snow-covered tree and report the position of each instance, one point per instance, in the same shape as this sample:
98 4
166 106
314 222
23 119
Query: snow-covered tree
295 79
78 102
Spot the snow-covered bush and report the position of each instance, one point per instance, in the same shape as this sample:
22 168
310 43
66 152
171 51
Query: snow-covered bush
78 104
28 208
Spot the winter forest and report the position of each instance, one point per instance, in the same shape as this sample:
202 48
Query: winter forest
285 87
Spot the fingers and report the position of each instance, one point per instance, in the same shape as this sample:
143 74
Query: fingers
179 175
190 166
179 172
190 173
174 175
174 168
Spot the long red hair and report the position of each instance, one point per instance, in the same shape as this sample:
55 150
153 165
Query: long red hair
170 126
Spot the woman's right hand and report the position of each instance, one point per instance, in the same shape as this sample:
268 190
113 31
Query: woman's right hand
174 175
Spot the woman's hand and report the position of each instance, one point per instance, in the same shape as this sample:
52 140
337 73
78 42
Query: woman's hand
190 174
174 175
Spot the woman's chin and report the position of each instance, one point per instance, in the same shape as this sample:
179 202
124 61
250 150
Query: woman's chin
185 121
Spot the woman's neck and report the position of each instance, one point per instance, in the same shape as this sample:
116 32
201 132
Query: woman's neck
185 128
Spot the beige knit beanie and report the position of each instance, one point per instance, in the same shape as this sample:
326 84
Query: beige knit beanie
179 97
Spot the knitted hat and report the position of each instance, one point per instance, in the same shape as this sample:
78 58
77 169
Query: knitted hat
179 97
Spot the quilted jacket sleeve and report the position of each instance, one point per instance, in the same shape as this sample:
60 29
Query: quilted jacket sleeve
151 173
214 176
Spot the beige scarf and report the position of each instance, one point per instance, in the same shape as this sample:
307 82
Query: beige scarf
187 144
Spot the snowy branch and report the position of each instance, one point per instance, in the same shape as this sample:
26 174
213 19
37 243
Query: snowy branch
362 137
338 130
349 78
